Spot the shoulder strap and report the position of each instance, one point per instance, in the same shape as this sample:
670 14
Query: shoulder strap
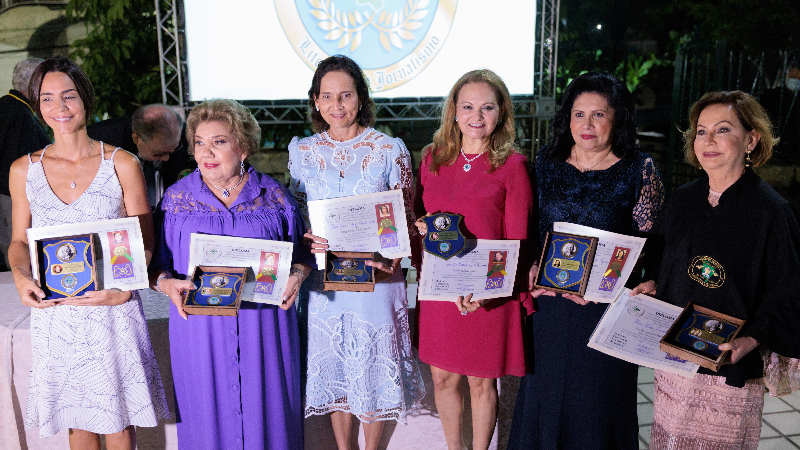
41 157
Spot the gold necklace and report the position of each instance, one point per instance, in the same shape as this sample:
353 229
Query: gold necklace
580 167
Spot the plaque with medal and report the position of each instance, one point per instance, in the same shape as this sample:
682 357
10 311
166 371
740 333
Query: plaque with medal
116 259
566 263
67 266
218 293
347 271
697 334
444 238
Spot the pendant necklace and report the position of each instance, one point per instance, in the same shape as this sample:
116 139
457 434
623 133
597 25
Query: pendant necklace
468 165
580 167
73 184
227 192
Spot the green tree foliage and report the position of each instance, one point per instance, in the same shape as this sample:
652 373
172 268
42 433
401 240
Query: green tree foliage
119 53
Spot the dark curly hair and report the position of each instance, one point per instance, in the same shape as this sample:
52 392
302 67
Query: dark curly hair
623 133
73 71
341 63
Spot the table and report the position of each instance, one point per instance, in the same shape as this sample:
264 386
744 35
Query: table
15 348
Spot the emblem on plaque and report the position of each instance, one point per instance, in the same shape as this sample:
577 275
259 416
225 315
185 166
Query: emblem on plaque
67 266
444 239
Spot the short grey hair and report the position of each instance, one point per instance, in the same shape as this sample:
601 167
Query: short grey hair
154 120
23 72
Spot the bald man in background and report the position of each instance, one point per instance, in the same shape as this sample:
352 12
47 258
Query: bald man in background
155 134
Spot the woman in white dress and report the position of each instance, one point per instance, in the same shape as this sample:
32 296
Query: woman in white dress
93 370
359 349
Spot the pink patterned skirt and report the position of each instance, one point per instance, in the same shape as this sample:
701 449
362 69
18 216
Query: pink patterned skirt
704 413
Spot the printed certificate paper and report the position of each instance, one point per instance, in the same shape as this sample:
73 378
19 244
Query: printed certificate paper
487 269
268 262
614 259
121 263
362 223
631 329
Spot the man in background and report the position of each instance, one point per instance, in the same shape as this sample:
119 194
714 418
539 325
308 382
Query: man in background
154 133
20 134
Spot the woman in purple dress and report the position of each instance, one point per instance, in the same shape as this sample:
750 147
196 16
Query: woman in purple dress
237 378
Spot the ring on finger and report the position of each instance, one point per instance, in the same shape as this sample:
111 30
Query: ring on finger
464 312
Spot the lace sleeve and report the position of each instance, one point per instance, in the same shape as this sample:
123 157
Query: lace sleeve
651 197
400 177
296 186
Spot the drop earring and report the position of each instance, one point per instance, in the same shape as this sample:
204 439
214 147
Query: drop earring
456 119
747 159
241 169
317 108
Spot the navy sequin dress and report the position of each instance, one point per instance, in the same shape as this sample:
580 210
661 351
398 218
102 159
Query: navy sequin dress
577 397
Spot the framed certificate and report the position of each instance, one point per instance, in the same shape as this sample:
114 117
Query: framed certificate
267 263
115 252
362 223
566 263
631 329
218 293
67 266
486 269
697 334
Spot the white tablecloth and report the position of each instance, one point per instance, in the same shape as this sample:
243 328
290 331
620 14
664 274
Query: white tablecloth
15 347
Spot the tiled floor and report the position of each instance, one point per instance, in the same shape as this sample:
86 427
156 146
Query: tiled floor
780 424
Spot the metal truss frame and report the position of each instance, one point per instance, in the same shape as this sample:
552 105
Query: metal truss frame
533 113
171 56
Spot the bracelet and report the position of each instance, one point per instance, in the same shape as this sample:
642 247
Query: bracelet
295 270
21 269
158 280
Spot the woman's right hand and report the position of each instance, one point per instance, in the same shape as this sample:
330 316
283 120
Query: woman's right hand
315 243
648 288
532 279
29 292
176 289
422 227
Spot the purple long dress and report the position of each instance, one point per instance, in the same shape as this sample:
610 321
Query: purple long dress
237 379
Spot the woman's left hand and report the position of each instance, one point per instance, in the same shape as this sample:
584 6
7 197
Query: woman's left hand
293 285
465 304
739 347
106 297
388 266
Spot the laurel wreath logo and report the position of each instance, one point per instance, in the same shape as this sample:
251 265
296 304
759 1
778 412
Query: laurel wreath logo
394 27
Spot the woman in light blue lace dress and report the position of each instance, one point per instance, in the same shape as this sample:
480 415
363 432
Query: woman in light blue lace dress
359 351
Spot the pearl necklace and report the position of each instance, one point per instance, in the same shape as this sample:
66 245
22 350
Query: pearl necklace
468 166
73 184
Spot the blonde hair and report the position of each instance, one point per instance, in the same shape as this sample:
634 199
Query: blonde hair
243 126
447 140
751 115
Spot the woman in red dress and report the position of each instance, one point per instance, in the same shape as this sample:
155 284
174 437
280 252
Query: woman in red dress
473 169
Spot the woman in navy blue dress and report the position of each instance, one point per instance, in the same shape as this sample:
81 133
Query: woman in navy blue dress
594 175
